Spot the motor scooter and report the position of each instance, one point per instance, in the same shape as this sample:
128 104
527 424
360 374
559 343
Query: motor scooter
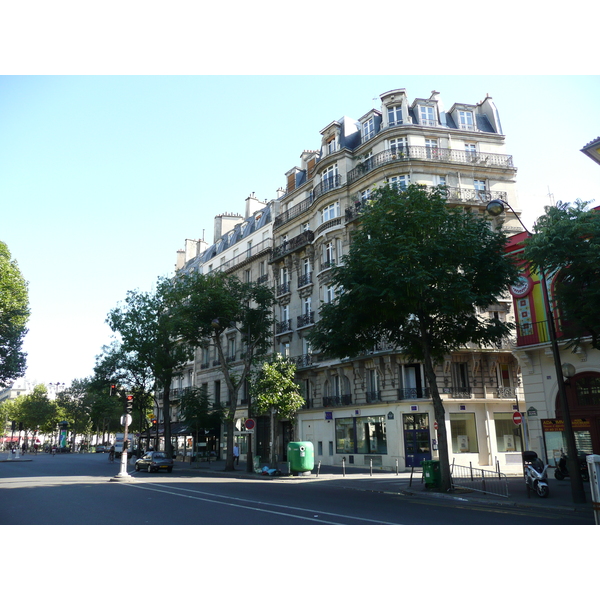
535 474
562 470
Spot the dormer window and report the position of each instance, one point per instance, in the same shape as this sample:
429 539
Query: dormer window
427 116
395 115
368 129
465 120
331 145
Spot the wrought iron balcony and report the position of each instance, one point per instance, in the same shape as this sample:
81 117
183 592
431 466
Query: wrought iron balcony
304 360
284 288
457 392
283 326
326 185
408 153
306 237
306 319
373 397
413 393
343 400
304 279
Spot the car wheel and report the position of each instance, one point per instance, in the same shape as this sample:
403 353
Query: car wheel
149 469
137 467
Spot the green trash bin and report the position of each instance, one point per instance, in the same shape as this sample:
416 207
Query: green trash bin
301 456
432 473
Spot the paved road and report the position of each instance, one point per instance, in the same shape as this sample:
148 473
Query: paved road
77 490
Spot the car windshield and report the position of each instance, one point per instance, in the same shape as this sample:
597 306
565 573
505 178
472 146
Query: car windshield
159 455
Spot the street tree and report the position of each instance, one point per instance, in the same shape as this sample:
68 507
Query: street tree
275 392
75 406
129 375
566 240
217 305
14 314
418 276
147 327
199 412
35 411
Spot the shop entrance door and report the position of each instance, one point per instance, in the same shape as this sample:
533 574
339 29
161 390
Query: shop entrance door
417 441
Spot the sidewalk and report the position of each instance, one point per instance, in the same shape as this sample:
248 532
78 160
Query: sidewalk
559 499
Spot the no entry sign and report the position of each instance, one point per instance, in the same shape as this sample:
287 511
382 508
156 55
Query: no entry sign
517 418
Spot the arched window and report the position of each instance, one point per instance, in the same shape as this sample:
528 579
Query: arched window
588 391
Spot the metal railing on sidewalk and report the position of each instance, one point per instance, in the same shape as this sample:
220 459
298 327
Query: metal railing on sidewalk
479 480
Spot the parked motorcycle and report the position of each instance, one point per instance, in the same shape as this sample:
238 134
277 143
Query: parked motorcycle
535 474
562 471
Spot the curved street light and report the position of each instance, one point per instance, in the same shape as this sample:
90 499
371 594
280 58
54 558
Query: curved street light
495 208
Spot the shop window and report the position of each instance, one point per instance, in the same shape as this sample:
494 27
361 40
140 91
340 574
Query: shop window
361 435
507 433
463 432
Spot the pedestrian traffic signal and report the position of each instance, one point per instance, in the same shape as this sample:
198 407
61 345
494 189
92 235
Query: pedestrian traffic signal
129 404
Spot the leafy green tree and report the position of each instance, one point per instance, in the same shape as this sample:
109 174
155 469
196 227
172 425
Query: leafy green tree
198 412
35 410
275 392
147 326
75 404
418 275
14 314
116 366
214 305
567 239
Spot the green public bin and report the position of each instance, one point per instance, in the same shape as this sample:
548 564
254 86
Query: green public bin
432 473
301 456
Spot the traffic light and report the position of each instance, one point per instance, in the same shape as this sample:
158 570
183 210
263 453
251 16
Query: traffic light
129 404
154 422
113 389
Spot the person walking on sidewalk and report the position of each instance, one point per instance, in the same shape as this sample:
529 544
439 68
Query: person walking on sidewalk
236 454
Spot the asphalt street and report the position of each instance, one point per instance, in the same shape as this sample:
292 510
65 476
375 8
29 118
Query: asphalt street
81 489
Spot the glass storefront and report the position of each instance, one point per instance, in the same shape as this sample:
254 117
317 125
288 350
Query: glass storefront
463 432
361 435
508 438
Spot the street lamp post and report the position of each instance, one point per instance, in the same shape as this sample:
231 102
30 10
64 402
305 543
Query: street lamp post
495 208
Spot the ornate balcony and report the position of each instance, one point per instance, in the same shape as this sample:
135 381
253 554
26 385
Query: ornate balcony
408 153
305 238
283 326
413 393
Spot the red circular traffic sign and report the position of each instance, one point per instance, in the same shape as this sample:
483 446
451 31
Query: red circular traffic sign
250 424
435 425
517 418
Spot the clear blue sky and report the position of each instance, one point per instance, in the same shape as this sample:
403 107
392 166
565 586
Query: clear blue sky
103 178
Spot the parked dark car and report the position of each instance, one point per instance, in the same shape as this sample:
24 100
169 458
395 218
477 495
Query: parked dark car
102 448
154 461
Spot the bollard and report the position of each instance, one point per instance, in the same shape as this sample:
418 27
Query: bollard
371 467
396 466
343 466
318 468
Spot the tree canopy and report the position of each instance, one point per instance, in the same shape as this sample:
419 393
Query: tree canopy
567 239
419 275
14 314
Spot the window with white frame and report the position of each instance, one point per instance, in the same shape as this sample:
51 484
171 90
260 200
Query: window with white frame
306 267
330 212
465 120
364 194
368 129
427 115
329 294
395 115
328 177
431 148
328 254
470 149
331 146
307 306
399 145
479 184
400 182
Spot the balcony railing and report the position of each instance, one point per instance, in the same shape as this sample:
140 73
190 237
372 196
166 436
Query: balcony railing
413 393
408 153
373 397
246 255
283 326
457 392
304 360
304 279
306 237
284 288
343 400
306 319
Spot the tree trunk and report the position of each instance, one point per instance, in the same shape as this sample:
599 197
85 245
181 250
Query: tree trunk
440 414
